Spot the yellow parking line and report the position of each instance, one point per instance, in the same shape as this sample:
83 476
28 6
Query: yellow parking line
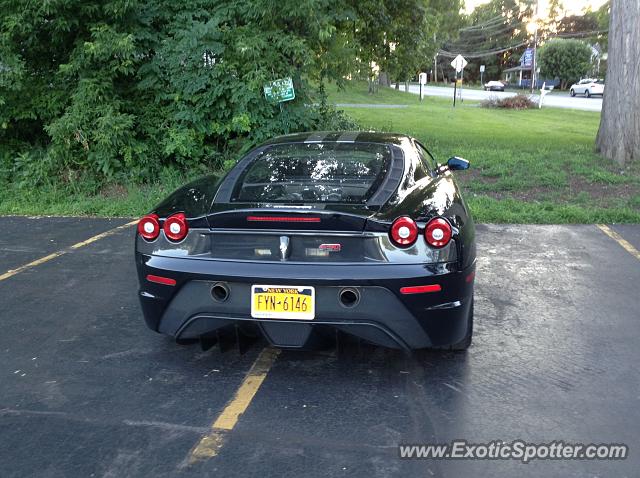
211 443
620 240
53 255
97 237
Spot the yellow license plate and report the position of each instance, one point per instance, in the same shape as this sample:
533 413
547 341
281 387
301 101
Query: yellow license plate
282 302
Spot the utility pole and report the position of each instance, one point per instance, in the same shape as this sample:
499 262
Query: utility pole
534 62
435 59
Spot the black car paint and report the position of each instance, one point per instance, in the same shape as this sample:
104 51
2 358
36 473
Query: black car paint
436 195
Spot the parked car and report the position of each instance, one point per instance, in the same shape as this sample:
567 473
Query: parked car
587 87
494 86
313 233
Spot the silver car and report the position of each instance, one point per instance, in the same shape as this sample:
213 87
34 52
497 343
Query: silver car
587 87
494 86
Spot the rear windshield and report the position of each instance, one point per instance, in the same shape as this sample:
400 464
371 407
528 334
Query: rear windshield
314 172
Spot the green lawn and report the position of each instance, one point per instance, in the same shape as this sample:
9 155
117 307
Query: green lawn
535 166
113 201
527 166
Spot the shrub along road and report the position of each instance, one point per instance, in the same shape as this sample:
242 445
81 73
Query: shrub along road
88 390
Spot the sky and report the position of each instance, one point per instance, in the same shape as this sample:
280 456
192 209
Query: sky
571 7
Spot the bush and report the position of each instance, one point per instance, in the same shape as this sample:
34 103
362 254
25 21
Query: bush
517 102
567 59
117 91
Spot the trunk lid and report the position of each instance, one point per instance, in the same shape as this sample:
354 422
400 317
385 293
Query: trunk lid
301 234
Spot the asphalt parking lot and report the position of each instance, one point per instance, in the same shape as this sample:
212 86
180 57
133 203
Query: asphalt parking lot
87 390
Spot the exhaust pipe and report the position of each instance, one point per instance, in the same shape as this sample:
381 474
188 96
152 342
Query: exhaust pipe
220 292
349 297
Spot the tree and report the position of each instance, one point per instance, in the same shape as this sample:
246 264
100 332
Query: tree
95 91
567 60
103 90
495 35
590 27
619 133
409 46
397 36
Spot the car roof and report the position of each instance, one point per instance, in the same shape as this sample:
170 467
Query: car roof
340 136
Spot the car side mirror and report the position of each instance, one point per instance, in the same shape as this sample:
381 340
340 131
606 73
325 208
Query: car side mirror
457 163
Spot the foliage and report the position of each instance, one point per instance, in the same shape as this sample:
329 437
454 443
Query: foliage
568 60
590 27
517 102
97 91
396 36
494 35
497 32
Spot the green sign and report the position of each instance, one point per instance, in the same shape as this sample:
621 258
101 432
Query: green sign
279 90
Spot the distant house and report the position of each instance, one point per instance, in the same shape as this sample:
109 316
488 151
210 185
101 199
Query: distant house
521 74
517 74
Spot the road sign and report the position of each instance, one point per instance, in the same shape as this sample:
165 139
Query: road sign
481 68
526 59
279 90
459 63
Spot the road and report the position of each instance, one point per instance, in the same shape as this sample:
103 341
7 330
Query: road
552 99
87 390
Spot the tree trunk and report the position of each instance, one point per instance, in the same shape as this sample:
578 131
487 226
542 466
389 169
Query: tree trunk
619 134
383 79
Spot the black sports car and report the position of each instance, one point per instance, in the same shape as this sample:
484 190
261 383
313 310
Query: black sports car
363 233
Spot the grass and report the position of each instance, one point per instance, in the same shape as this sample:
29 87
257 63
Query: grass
115 201
533 166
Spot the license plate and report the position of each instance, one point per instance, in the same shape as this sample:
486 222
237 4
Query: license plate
282 302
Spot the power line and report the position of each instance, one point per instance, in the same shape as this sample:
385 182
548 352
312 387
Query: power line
497 21
581 34
488 23
494 21
489 33
480 54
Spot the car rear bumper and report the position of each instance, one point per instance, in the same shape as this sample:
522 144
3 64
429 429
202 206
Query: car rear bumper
382 315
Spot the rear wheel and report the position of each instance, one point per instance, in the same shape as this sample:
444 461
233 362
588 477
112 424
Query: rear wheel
572 93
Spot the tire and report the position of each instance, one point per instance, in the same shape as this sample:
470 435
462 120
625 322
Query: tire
572 93
587 93
465 343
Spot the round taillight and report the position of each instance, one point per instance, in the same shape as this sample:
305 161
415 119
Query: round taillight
438 232
404 231
149 227
176 227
